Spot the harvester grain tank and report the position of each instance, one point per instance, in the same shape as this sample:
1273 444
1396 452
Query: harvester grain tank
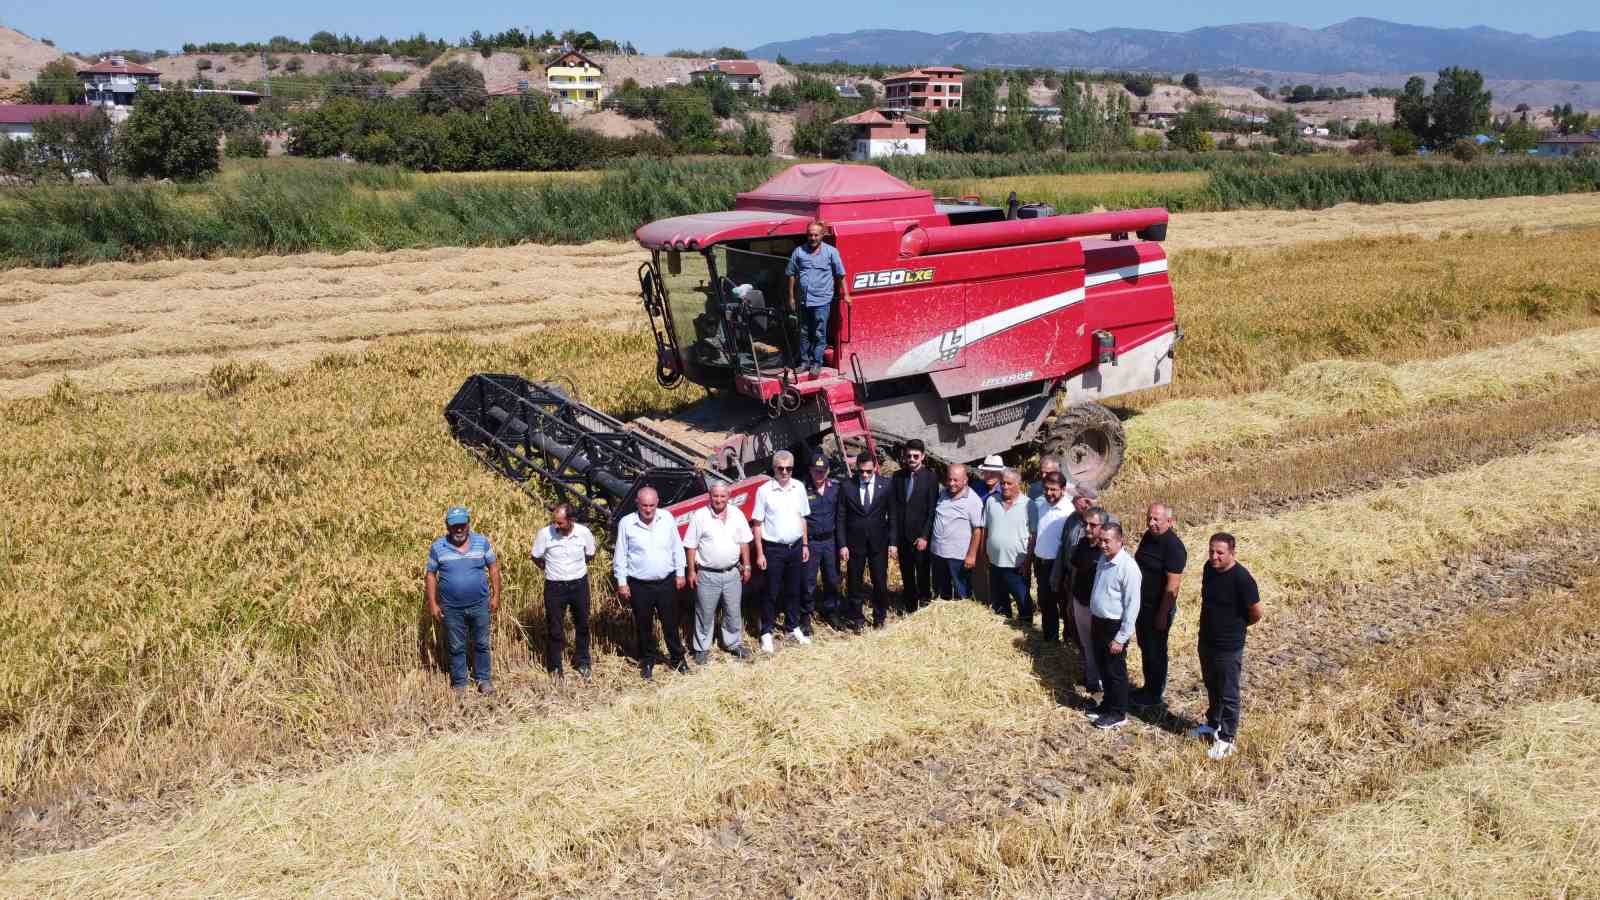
977 329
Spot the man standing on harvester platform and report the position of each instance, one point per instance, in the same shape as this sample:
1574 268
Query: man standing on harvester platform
463 584
818 271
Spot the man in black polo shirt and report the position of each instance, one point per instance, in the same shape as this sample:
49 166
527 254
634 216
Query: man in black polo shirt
1229 604
1161 558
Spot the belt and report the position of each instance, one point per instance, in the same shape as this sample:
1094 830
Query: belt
714 569
789 544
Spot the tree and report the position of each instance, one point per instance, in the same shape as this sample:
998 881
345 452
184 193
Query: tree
1140 85
1411 108
294 65
756 139
1302 93
1192 82
1400 142
454 85
868 94
1459 106
169 135
57 84
1519 137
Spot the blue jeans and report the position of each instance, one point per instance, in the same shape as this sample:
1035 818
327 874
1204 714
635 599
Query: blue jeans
951 579
814 333
1006 582
460 624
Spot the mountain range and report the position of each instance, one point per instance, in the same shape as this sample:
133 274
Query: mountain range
1362 45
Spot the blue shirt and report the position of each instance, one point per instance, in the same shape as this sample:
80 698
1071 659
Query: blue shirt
463 571
824 509
647 552
816 272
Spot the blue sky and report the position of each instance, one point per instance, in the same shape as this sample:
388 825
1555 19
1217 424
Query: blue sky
657 27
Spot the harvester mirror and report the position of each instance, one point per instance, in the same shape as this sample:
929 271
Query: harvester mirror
674 262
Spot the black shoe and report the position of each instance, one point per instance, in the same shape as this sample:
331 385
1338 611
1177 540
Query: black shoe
647 671
682 667
855 627
741 652
1094 712
558 675
586 672
878 623
815 370
702 657
1107 723
486 688
1143 701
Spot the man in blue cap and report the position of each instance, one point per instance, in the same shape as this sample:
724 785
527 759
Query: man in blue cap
464 594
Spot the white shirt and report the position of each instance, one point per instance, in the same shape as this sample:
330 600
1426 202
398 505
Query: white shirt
1048 520
566 556
647 552
716 539
781 511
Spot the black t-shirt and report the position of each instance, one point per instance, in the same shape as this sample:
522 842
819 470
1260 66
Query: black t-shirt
1224 598
1158 556
1085 556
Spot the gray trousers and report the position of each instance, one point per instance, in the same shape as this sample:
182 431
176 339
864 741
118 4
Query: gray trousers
714 588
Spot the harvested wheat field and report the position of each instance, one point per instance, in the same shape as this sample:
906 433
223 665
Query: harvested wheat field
1404 434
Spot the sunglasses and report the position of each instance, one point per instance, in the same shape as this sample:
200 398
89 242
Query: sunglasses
783 468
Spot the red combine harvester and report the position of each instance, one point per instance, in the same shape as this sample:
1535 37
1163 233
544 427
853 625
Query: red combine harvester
978 329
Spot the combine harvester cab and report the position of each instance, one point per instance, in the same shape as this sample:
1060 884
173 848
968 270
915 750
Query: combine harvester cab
977 329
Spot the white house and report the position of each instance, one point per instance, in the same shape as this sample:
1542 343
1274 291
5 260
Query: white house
886 132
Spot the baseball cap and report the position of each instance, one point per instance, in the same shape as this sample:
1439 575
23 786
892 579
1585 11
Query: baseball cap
992 463
456 515
821 462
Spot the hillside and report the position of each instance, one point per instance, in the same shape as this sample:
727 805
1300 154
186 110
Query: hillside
21 57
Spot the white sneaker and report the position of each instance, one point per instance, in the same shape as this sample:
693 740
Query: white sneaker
799 636
1220 750
766 643
1202 731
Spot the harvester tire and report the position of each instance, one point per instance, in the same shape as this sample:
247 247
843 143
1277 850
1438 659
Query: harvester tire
1089 440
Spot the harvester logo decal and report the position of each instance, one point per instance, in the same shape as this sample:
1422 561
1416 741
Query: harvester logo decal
947 345
950 345
891 278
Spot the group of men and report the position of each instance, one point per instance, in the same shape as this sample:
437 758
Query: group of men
990 539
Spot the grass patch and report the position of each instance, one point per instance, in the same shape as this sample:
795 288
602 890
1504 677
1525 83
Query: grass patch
1078 193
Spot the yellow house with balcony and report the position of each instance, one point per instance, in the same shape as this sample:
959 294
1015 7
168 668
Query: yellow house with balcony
575 79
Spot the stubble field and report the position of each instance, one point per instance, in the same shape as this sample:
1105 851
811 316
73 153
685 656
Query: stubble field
221 581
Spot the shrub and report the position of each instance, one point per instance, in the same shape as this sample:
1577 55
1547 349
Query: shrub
1400 142
1465 149
245 143
170 135
1140 86
1147 142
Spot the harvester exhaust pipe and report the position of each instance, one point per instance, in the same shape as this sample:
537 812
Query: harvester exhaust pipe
1151 224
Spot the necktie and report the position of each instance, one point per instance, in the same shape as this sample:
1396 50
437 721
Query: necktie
866 494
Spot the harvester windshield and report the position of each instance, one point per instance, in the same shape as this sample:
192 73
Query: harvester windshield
727 311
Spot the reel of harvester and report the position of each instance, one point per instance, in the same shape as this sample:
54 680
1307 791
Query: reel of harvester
523 429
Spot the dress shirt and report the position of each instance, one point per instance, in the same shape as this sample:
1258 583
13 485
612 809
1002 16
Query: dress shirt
716 539
781 511
1116 592
647 552
1048 520
566 556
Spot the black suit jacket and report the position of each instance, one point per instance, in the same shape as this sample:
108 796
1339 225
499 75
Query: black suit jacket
913 515
866 530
